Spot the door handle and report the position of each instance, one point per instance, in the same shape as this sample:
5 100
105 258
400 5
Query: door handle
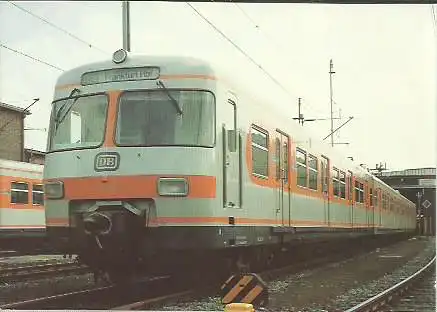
227 160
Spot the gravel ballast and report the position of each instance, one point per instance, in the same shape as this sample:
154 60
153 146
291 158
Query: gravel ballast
336 286
17 261
31 289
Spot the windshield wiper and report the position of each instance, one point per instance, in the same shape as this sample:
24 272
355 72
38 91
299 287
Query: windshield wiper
176 104
58 118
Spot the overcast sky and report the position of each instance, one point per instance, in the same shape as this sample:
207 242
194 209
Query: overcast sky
384 58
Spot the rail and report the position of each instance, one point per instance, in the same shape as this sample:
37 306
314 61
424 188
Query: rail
29 271
381 299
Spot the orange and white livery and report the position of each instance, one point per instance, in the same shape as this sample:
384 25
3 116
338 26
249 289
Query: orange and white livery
152 156
21 200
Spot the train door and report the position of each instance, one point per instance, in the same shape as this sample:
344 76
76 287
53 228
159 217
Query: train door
366 204
324 170
231 156
351 197
379 199
372 204
283 199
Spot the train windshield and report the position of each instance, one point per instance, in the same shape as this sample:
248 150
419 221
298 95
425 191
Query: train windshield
82 122
153 118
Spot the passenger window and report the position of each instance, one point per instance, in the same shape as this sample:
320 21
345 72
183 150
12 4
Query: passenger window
313 171
335 182
37 194
357 192
278 158
19 193
342 184
286 161
301 159
375 198
350 185
260 153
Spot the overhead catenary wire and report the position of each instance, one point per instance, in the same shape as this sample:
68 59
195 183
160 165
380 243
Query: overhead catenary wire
279 48
58 28
30 57
239 49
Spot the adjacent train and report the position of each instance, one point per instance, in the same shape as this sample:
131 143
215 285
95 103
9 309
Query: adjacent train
155 159
22 216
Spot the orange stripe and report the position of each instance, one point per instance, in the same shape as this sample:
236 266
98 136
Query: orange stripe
119 187
112 117
250 297
57 222
237 289
222 221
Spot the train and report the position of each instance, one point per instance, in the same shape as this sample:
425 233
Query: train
22 212
158 160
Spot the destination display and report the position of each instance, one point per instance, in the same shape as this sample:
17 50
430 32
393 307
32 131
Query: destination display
120 74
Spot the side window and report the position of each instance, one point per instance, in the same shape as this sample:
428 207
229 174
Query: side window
350 185
335 182
19 193
362 193
286 160
37 194
342 184
357 192
278 158
260 153
375 198
313 170
232 133
301 160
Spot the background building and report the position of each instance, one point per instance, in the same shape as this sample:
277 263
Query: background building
12 136
419 186
33 156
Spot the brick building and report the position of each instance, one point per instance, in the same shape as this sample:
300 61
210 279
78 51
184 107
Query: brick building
12 136
33 156
12 132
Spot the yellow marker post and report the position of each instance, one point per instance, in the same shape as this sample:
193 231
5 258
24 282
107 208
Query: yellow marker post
239 307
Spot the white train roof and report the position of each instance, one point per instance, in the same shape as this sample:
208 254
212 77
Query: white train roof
18 165
179 65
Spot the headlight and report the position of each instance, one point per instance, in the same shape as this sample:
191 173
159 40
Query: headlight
172 187
54 190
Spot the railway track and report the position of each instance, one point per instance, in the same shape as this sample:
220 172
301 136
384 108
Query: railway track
39 270
190 293
415 293
143 294
105 297
157 291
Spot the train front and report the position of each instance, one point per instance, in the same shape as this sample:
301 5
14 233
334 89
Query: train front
130 155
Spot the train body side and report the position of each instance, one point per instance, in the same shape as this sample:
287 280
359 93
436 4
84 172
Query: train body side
21 200
227 204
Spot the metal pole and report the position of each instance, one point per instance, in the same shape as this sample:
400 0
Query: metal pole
300 116
126 26
331 65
